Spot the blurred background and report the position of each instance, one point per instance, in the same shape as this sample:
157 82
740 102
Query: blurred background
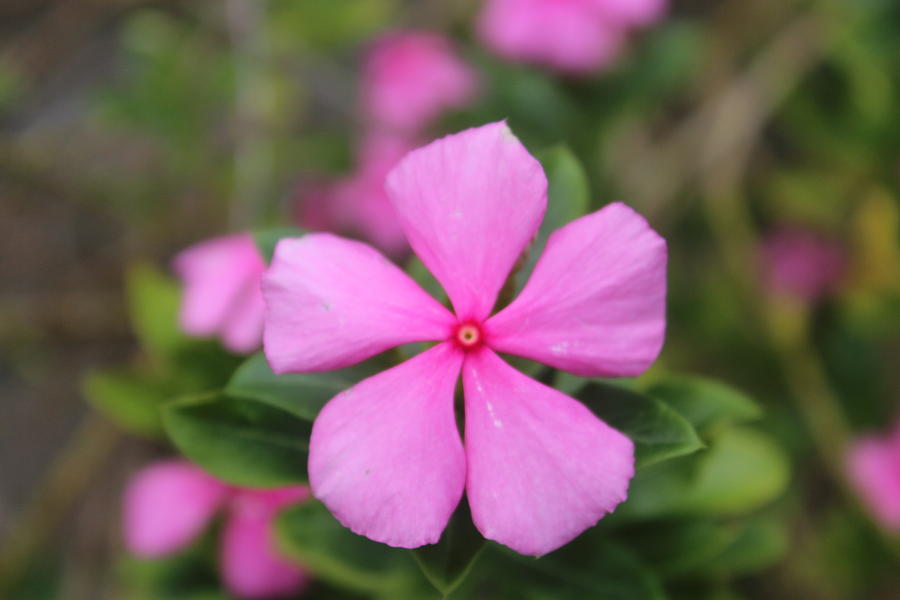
761 139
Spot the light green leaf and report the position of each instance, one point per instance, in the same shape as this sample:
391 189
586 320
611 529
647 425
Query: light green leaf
153 299
130 399
704 402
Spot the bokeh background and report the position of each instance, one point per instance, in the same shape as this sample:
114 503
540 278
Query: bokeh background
131 129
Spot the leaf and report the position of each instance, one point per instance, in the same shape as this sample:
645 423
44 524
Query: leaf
743 470
568 198
416 269
740 471
760 544
309 534
302 395
267 239
704 402
131 400
586 568
242 442
684 546
448 562
658 432
153 300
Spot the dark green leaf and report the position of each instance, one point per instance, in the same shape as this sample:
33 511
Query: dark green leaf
303 395
240 441
704 402
447 563
760 544
267 239
309 534
659 433
130 399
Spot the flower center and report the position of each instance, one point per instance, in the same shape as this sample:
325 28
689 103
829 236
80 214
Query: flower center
468 335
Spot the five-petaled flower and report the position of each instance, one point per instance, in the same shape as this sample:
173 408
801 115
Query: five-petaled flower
537 466
169 503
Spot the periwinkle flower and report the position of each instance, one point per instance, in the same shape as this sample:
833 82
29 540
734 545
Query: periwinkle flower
386 455
873 467
574 36
221 295
170 503
410 77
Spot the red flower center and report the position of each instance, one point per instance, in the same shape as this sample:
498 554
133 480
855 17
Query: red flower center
468 335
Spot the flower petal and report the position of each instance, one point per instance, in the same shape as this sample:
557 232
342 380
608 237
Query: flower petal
215 273
167 505
385 456
873 466
469 203
250 563
596 302
332 302
242 333
541 467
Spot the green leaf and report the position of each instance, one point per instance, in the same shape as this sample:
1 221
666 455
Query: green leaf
130 399
240 441
658 432
568 198
447 563
760 544
682 547
153 299
302 395
267 239
309 534
704 402
416 269
585 568
743 470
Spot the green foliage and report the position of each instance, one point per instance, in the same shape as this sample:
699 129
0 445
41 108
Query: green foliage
447 563
707 404
302 395
128 398
658 432
240 441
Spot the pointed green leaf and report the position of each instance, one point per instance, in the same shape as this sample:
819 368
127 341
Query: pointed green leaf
704 402
131 400
658 432
309 534
447 563
153 299
302 395
240 441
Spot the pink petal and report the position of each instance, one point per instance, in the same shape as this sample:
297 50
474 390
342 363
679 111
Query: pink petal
332 302
595 304
219 276
385 456
410 77
167 505
874 469
243 331
570 35
250 563
541 467
469 204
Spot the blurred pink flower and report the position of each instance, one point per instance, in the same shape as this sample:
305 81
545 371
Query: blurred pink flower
358 205
221 293
801 263
577 36
538 467
410 77
168 504
873 465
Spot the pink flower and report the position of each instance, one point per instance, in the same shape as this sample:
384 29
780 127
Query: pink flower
410 77
578 36
221 295
538 467
801 263
170 503
873 465
358 205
